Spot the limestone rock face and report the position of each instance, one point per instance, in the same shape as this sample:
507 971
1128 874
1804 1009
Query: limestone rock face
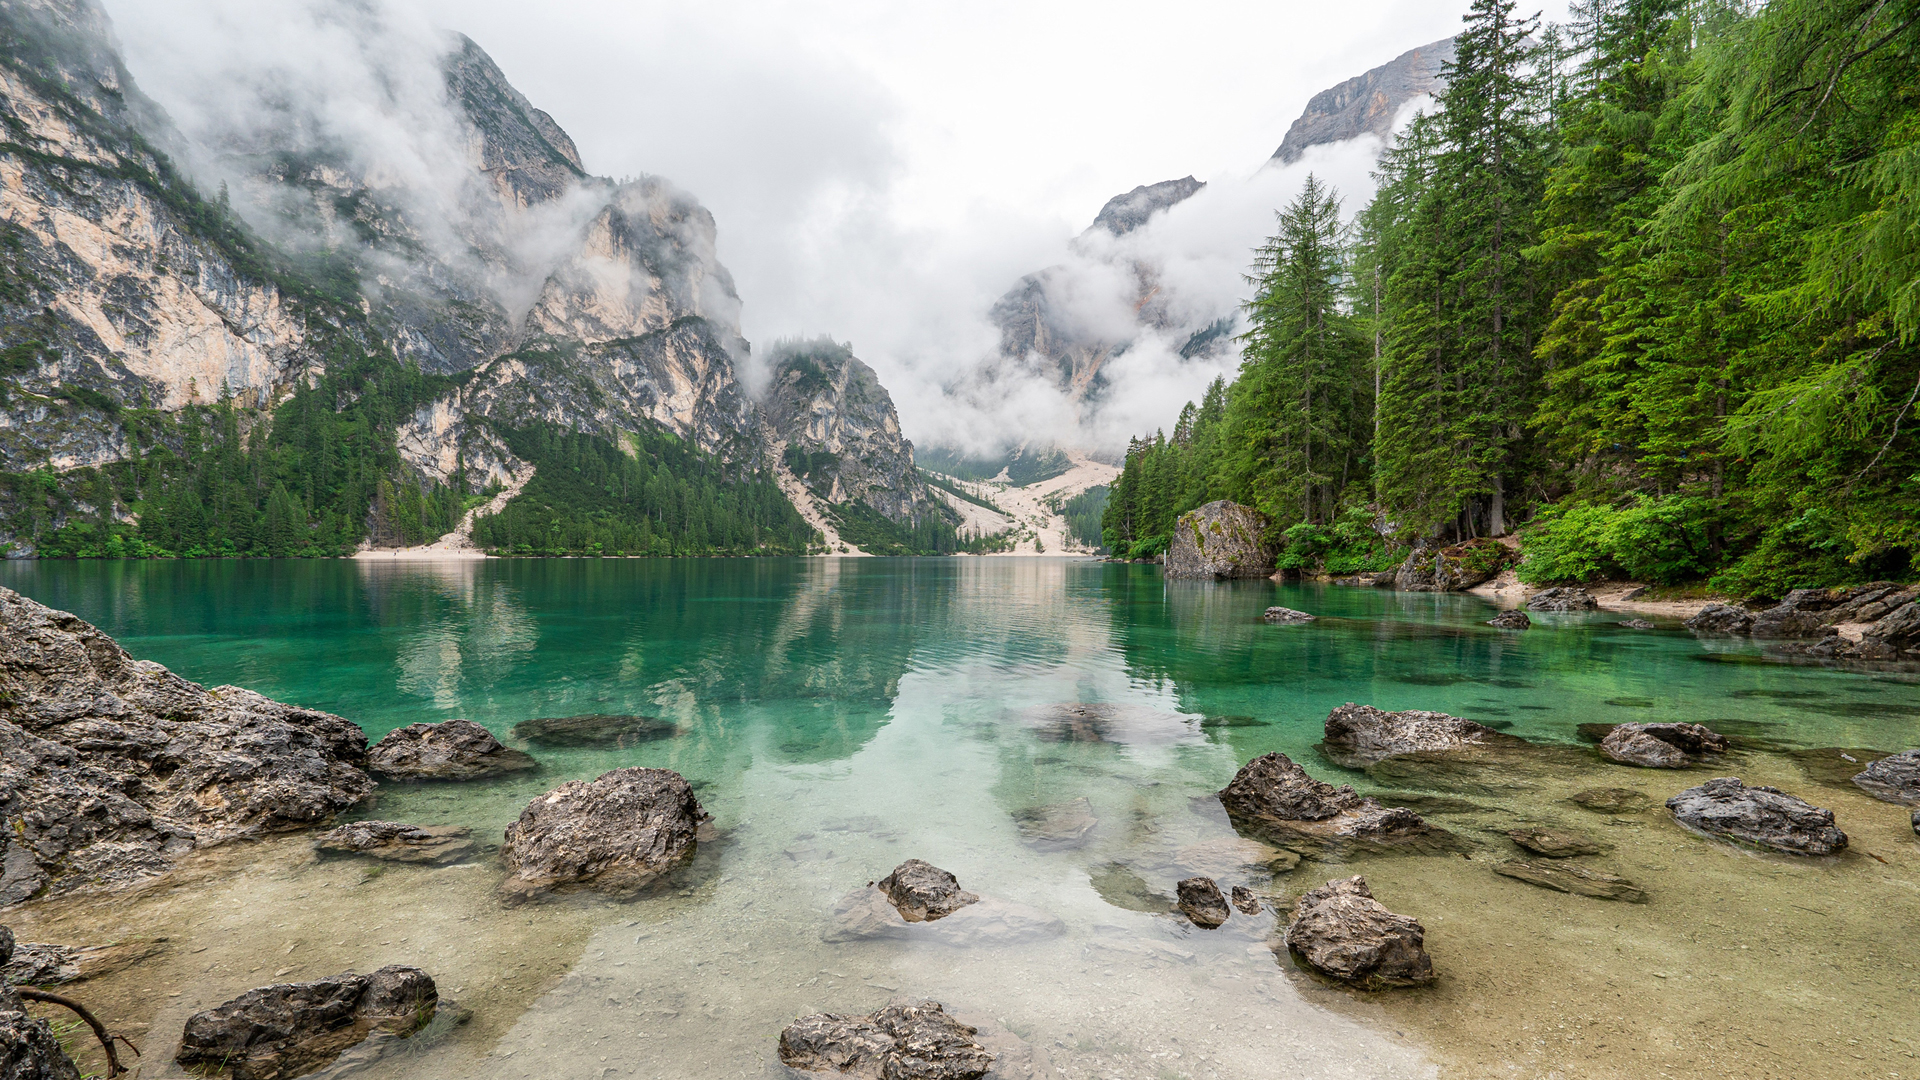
1342 931
837 432
1361 734
1568 599
923 892
398 842
1219 540
290 1029
1761 816
900 1042
111 767
449 750
1807 612
1366 104
1662 746
616 834
1895 779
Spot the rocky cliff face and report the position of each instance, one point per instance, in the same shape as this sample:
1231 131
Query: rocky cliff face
1125 213
835 428
1366 104
571 299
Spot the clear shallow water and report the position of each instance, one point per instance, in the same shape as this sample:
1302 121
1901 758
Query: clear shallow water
838 716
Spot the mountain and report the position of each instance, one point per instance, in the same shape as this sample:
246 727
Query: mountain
1366 104
1124 213
349 341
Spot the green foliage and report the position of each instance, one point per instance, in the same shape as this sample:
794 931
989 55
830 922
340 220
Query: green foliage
1083 513
876 534
1350 545
1661 540
666 497
1023 465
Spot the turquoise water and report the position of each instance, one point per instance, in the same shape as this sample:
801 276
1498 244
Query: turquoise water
839 715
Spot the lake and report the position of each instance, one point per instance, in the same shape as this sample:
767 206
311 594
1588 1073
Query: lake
838 716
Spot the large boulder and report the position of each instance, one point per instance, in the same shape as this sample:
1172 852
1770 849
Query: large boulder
922 892
1662 746
1273 797
1759 816
617 834
397 842
1721 619
1357 735
449 750
1453 569
1220 540
1340 930
29 1050
1562 599
111 768
1895 779
1202 902
1894 636
916 1041
290 1029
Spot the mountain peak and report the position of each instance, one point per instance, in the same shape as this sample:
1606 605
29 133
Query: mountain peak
1125 213
1366 104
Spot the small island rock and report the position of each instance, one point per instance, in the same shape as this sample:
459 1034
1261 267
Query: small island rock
398 842
1662 746
1762 816
1362 734
1219 540
1202 902
1273 794
1340 930
922 892
290 1029
900 1042
616 834
1895 779
449 750
1511 619
1245 901
1563 599
1286 615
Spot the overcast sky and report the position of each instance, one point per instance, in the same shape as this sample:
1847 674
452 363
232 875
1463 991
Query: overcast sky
881 172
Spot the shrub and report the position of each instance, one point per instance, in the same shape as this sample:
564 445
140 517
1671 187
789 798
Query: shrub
1664 540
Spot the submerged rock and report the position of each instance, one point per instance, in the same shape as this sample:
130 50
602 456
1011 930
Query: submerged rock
1721 619
866 914
1202 902
1573 878
449 750
290 1029
1358 735
1219 540
38 963
29 1050
1234 856
1611 800
922 892
1556 843
1286 615
1340 930
1636 624
1895 778
1562 599
616 834
111 767
900 1042
1057 826
1245 901
1662 746
1273 796
1511 619
594 729
398 842
1761 816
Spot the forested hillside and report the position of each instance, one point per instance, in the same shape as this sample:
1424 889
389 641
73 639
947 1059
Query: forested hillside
1645 286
